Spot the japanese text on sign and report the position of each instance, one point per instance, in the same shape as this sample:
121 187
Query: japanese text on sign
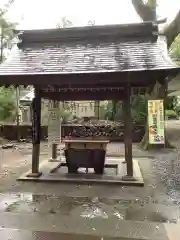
156 121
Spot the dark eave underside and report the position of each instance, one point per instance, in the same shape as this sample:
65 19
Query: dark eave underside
135 78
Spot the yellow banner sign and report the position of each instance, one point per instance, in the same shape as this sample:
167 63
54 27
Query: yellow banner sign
156 121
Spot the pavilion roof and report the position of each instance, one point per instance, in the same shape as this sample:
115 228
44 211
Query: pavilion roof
88 50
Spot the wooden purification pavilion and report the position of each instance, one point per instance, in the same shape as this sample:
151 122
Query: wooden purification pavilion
88 63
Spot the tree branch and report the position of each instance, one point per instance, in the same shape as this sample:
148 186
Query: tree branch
172 30
143 10
6 7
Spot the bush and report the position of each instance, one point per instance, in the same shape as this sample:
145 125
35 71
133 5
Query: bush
66 116
171 114
7 103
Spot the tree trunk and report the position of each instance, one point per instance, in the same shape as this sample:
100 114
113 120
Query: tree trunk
172 30
1 44
18 113
144 144
147 12
114 108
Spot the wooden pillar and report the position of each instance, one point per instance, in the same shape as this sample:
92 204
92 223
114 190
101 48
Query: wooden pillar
97 110
18 113
54 153
36 132
128 133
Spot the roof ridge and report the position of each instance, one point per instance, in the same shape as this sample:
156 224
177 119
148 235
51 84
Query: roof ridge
140 30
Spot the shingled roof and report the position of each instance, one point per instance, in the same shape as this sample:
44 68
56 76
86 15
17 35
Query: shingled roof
95 49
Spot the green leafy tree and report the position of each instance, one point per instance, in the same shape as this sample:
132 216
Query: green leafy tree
6 30
91 23
5 8
7 95
6 36
64 23
7 103
175 50
175 55
177 105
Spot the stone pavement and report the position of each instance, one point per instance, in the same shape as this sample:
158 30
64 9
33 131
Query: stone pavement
111 228
16 234
45 217
67 229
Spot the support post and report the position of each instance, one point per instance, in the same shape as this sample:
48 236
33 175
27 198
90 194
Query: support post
36 132
60 137
96 106
54 153
18 113
128 134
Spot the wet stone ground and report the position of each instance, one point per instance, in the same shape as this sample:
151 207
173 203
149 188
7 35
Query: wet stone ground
85 207
158 201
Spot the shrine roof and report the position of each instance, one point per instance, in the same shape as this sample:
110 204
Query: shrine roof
88 50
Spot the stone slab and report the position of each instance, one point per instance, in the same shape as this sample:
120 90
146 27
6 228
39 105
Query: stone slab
17 234
49 175
102 228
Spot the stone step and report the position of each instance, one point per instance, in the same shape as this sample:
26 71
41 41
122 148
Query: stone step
100 228
19 234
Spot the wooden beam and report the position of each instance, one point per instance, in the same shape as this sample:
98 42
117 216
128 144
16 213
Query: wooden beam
82 96
96 93
139 78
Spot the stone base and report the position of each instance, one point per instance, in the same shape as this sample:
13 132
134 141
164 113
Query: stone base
128 178
34 175
54 160
58 172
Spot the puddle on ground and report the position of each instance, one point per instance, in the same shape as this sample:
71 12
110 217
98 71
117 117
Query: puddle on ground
135 209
